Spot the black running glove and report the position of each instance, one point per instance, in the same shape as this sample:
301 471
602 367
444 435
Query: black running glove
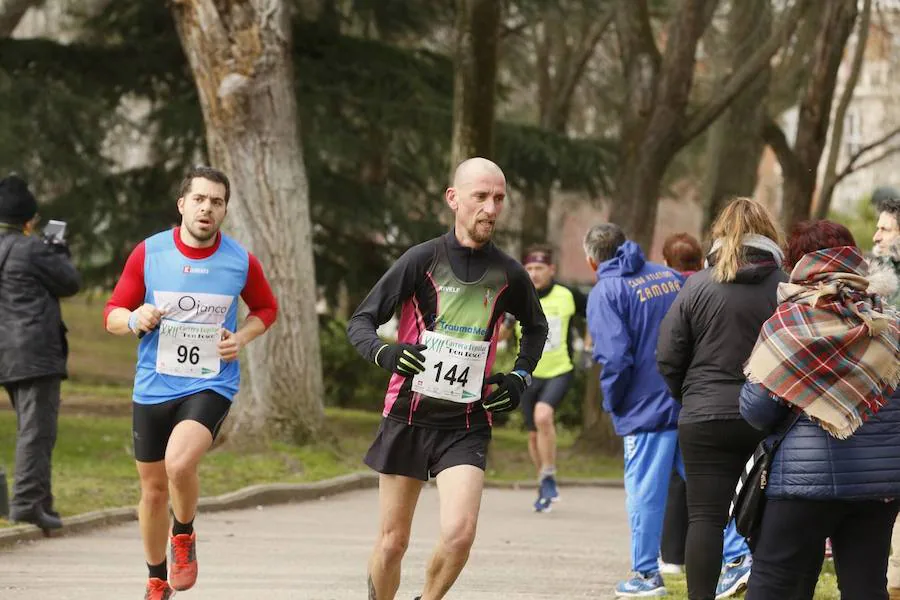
508 393
403 359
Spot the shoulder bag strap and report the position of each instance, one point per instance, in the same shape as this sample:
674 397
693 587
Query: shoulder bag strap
784 428
5 248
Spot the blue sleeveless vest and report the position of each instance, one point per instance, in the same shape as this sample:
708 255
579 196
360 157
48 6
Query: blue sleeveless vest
198 297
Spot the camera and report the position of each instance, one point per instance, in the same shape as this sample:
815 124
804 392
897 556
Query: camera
54 235
55 232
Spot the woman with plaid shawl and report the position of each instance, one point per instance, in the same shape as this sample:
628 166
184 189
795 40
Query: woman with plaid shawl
831 353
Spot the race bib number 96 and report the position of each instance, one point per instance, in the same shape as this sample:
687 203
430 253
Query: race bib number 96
188 349
454 368
189 333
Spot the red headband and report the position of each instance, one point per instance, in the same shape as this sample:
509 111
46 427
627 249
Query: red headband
538 257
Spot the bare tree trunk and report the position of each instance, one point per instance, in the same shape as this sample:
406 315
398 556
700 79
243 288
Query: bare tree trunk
11 12
641 63
637 192
815 109
537 214
655 124
475 79
597 433
778 142
240 55
830 181
564 44
735 141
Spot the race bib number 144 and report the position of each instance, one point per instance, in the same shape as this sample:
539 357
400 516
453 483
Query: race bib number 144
454 368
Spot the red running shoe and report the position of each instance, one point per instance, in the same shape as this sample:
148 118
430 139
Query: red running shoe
157 589
183 571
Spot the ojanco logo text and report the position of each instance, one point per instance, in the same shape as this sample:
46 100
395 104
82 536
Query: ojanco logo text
190 304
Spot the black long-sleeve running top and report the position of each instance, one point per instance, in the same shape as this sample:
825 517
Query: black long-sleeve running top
452 298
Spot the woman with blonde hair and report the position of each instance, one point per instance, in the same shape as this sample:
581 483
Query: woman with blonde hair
704 341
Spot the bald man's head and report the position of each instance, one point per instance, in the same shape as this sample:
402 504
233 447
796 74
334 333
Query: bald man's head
473 167
476 197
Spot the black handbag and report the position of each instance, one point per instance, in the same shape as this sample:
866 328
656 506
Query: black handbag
750 493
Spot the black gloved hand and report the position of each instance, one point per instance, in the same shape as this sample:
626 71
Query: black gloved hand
403 359
58 246
508 393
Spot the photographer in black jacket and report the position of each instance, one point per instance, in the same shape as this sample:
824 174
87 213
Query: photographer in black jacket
34 273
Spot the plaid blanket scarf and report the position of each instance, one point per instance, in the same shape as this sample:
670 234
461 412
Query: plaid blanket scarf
830 349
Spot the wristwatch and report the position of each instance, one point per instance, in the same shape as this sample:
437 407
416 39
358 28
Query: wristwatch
525 375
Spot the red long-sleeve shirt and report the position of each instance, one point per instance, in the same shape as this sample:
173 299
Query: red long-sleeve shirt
130 289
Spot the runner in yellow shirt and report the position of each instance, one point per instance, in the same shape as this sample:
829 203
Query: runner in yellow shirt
554 373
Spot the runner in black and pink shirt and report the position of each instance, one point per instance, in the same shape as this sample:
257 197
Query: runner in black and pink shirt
452 292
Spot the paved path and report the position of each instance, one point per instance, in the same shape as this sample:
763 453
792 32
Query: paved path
318 551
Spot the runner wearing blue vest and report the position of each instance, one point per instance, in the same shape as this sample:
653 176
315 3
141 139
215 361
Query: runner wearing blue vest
179 293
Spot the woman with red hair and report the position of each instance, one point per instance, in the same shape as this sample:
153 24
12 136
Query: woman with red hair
825 369
682 252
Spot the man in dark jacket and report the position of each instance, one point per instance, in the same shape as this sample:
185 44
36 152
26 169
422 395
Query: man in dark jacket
34 274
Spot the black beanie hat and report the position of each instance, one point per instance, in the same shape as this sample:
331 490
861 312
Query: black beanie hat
17 204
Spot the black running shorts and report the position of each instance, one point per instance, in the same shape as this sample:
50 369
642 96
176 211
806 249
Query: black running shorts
420 452
152 424
549 391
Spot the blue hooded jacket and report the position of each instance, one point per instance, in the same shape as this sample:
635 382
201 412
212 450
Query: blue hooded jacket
624 313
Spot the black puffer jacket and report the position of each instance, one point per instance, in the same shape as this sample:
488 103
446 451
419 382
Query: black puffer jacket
708 335
32 333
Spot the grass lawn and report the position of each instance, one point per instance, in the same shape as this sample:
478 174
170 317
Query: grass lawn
96 357
825 590
93 466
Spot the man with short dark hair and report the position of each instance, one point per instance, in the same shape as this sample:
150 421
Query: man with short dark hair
35 272
179 294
